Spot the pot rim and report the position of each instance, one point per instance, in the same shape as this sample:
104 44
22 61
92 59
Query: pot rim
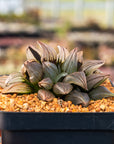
56 121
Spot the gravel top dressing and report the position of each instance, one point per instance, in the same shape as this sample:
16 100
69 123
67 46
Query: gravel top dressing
31 103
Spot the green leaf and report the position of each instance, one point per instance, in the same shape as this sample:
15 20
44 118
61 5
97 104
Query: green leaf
78 98
46 83
100 92
33 70
62 55
70 64
47 53
14 78
59 76
2 80
33 53
80 58
50 70
20 88
61 88
95 80
77 78
90 66
45 95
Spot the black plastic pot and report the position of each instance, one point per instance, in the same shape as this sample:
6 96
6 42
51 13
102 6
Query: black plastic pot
57 128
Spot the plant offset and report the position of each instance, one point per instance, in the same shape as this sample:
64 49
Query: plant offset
58 73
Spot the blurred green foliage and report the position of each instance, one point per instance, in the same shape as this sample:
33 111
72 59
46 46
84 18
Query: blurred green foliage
31 16
63 29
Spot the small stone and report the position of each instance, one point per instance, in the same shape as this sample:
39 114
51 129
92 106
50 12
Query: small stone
25 106
102 107
112 108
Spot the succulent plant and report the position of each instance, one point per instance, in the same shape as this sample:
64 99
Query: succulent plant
60 73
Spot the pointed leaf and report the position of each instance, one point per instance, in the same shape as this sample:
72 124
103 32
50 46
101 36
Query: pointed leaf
50 70
59 68
90 66
62 55
47 53
78 98
80 58
17 88
61 88
70 64
46 83
24 72
97 71
112 84
34 70
45 95
33 53
100 92
14 78
77 78
2 81
61 75
95 80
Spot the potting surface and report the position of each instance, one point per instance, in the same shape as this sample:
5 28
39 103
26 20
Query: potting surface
31 103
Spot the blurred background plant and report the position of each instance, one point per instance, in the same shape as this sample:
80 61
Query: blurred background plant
31 16
88 24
